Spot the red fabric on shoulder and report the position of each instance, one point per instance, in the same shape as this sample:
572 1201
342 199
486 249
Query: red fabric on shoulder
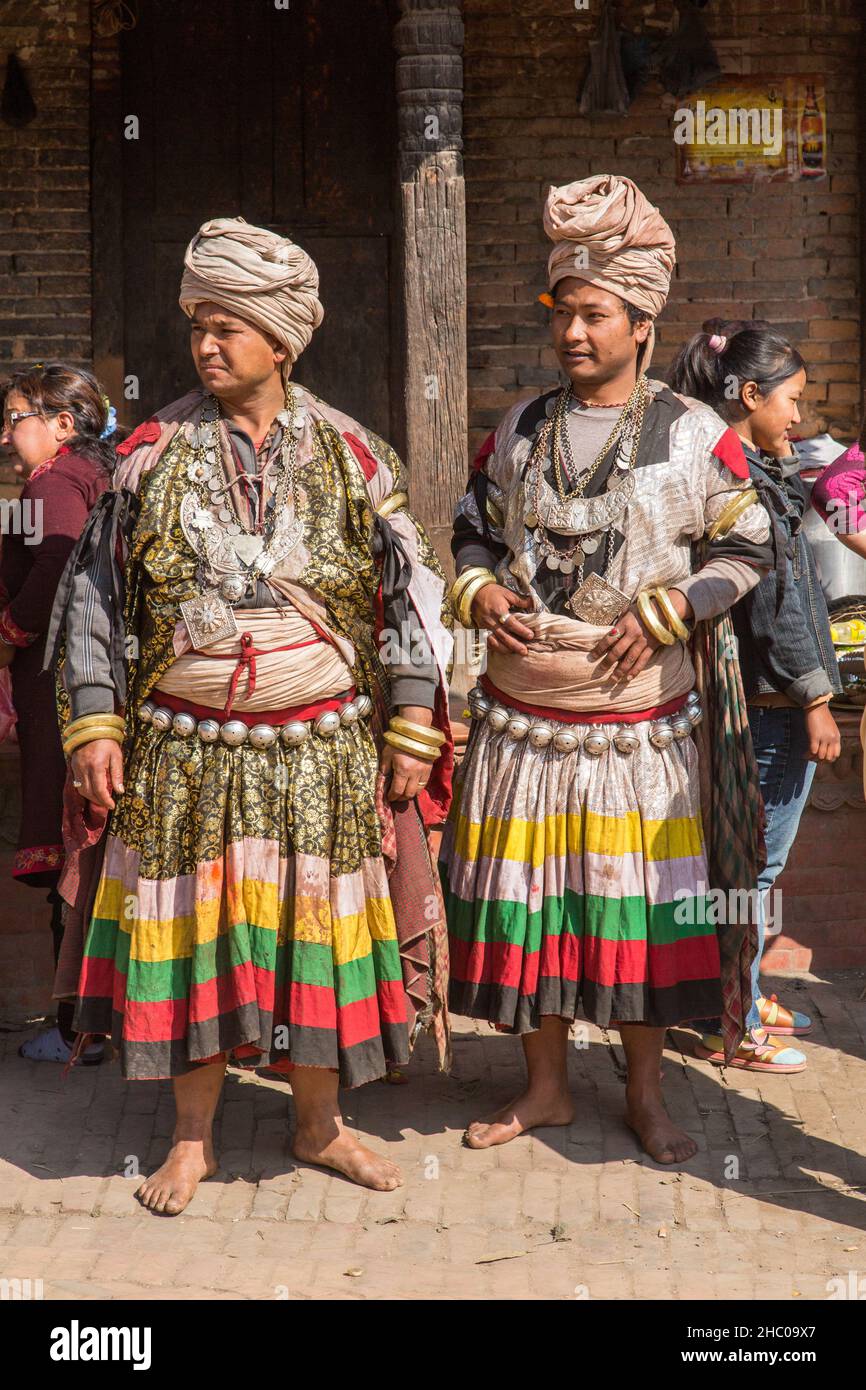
729 451
367 461
146 433
484 452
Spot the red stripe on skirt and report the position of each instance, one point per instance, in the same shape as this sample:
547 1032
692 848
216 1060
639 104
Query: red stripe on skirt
606 963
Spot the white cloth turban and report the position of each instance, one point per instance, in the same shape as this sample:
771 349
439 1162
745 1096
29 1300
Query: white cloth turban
256 274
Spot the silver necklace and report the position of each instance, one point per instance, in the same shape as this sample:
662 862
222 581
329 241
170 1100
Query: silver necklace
231 557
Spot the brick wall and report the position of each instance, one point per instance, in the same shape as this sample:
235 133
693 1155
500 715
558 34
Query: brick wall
787 252
45 190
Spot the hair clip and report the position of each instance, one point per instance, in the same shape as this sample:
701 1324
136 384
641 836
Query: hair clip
718 342
546 299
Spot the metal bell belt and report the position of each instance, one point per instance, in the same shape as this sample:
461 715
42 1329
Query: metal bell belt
589 738
234 732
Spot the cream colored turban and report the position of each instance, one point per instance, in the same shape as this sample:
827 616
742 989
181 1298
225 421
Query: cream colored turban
258 275
605 231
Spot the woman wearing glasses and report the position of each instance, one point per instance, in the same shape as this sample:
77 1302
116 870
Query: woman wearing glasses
62 431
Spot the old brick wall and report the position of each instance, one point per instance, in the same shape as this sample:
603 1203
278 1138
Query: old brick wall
787 252
45 189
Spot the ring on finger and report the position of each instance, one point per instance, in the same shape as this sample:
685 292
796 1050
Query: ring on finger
503 618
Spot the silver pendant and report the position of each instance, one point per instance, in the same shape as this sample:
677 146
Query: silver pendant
552 561
248 548
597 602
590 544
531 520
225 514
233 588
208 619
566 566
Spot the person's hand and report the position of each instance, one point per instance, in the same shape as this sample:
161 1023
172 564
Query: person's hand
492 610
98 767
825 741
7 654
409 775
627 648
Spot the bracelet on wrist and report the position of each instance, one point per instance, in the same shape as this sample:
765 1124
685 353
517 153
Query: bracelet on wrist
651 621
423 732
90 735
414 748
464 609
670 614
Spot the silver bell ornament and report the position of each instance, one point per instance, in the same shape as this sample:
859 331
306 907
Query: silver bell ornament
566 741
540 735
263 736
661 735
234 733
626 740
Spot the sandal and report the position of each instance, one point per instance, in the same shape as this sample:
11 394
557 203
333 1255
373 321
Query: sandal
51 1046
757 1052
777 1019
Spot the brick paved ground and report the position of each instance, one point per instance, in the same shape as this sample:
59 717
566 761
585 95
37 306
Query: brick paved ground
766 1207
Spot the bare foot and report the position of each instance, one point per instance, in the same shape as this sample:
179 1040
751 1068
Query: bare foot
348 1157
659 1136
173 1186
529 1111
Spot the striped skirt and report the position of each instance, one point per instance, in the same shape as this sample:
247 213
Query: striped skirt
244 904
578 882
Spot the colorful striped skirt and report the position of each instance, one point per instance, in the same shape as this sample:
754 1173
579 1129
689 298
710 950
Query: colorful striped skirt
244 904
575 882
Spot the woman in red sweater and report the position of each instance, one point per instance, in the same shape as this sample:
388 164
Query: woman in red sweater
60 426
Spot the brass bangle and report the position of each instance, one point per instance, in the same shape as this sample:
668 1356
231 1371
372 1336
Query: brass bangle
462 582
86 721
464 608
651 622
670 614
730 514
399 725
423 751
393 503
90 736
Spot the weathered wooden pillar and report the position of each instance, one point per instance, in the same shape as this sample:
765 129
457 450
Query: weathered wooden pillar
429 41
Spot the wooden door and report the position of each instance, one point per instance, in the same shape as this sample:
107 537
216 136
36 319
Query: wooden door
282 116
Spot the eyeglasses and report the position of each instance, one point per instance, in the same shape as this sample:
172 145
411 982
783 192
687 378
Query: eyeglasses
16 416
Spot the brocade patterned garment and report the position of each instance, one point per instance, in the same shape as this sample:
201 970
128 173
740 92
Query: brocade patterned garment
244 899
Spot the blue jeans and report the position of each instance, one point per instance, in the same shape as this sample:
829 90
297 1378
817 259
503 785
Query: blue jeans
782 752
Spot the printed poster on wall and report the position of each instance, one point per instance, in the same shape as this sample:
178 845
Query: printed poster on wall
747 129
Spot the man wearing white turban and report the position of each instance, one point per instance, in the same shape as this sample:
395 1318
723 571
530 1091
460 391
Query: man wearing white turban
265 278
266 761
575 861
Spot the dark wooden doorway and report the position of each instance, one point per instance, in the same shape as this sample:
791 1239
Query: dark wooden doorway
287 118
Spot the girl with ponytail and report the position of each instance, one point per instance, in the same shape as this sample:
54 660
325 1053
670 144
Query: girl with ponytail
753 377
63 431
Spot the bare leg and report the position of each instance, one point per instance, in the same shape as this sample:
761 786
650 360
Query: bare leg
544 1102
320 1136
645 1111
191 1156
